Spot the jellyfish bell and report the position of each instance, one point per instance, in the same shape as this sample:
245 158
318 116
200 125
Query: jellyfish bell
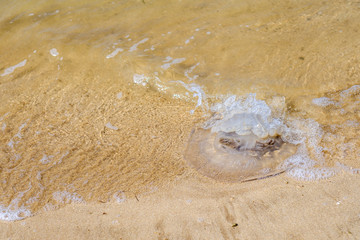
240 148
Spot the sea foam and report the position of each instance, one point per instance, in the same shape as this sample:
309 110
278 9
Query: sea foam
248 129
13 214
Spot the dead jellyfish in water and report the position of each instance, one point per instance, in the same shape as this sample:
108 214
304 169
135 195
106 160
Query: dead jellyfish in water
240 148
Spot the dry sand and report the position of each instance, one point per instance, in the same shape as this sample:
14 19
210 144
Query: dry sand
199 208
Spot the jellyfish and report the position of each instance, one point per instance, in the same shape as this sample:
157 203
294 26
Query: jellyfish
241 147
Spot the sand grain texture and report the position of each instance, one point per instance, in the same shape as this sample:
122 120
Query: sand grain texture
274 208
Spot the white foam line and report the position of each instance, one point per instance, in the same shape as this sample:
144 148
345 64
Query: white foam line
324 102
348 169
348 92
67 197
175 61
11 69
134 47
140 79
188 71
10 214
14 212
168 59
114 53
197 92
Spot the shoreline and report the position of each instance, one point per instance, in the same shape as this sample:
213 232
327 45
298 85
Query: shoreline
200 208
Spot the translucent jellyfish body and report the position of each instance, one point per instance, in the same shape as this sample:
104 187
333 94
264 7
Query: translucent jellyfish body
238 148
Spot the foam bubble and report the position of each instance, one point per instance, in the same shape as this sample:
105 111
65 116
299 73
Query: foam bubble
10 214
14 212
245 124
348 169
245 116
307 174
66 197
140 79
307 134
54 52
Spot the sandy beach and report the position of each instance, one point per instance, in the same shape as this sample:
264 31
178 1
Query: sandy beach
196 208
100 101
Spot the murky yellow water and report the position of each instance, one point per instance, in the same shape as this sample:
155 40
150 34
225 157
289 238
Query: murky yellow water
98 98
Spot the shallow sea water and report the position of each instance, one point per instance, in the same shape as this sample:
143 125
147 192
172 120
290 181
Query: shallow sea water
98 99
